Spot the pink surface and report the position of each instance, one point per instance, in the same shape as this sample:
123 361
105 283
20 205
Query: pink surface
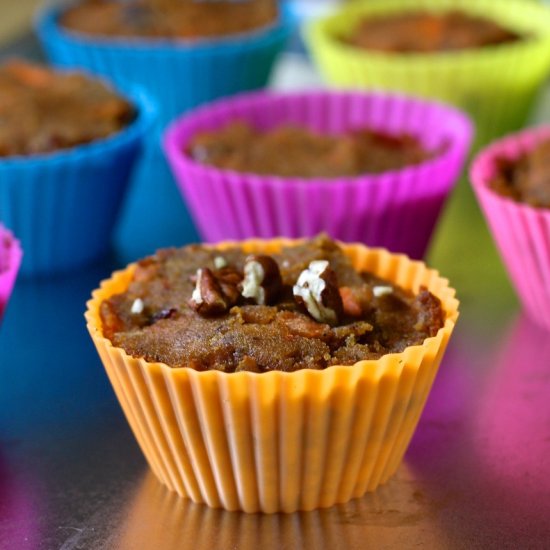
521 232
396 210
513 418
10 259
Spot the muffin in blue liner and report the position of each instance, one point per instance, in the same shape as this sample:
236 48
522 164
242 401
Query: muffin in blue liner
63 206
180 75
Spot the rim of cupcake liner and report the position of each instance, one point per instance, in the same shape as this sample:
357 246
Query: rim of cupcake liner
177 134
47 23
324 30
381 366
146 111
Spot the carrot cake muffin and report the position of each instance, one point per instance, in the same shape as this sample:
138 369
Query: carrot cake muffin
425 32
526 179
42 110
174 19
291 151
305 307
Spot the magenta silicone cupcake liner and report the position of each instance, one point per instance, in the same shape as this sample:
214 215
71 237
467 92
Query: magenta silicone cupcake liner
521 232
10 260
396 210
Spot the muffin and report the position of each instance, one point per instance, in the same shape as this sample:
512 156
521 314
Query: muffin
384 163
492 65
10 259
68 143
42 111
273 331
179 73
510 179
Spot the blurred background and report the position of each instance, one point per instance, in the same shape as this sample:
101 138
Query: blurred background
16 18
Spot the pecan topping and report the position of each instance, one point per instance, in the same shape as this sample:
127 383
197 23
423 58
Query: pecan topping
215 291
262 280
317 290
208 297
220 262
137 306
229 279
382 290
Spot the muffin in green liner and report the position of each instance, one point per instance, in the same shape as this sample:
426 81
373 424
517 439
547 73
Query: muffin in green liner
497 85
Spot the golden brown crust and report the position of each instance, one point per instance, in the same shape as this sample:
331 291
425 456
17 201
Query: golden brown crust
174 19
42 110
290 151
424 32
260 338
526 179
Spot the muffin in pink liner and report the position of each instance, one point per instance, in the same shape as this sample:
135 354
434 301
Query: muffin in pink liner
521 231
396 209
10 259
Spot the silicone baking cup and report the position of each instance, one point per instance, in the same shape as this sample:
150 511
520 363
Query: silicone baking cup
10 259
178 74
396 210
63 205
521 232
496 85
279 441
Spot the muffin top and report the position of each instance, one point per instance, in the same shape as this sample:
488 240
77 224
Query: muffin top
42 110
304 307
526 179
426 32
291 151
174 19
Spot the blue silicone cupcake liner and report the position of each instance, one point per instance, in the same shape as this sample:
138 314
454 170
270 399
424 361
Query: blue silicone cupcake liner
63 206
179 74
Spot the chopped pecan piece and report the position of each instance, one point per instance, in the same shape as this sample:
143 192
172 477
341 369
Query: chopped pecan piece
229 279
215 291
262 280
208 297
317 290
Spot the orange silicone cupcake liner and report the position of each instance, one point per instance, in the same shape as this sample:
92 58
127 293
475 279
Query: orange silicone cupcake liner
279 441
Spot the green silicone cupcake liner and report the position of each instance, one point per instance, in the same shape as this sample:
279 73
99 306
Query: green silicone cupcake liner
497 85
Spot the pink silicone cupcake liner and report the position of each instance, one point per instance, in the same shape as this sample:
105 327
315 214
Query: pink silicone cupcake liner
10 259
396 210
521 232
